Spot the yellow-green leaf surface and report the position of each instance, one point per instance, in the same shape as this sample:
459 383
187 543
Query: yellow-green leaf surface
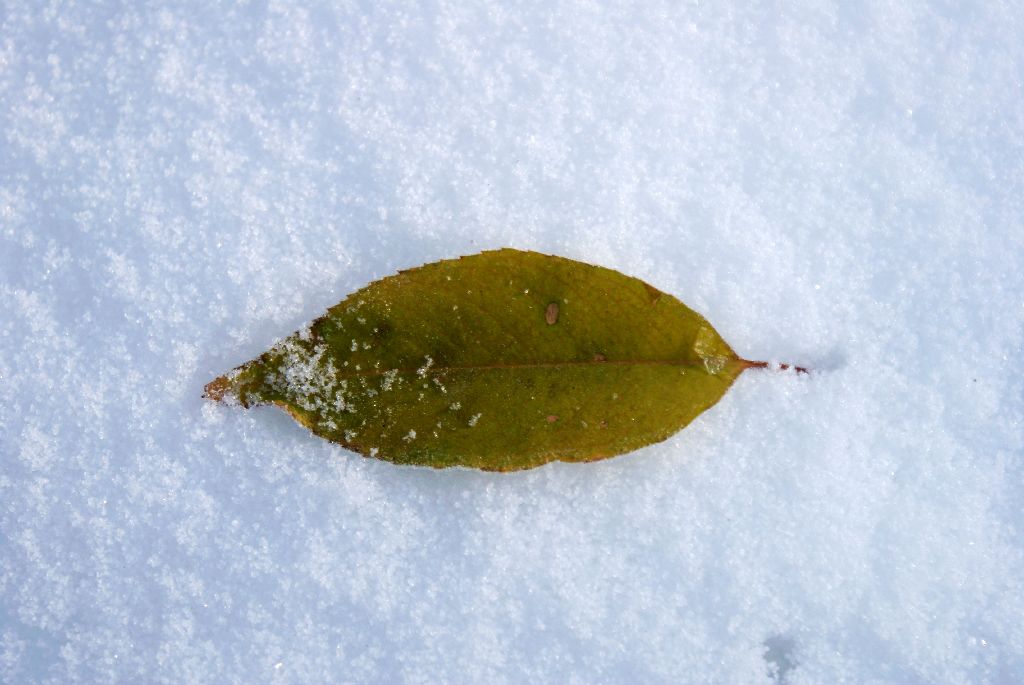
503 360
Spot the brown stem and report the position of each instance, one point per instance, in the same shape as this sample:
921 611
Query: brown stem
748 364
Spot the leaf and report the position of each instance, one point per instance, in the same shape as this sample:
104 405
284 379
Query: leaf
501 361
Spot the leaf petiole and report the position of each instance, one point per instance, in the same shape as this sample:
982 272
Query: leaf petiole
749 364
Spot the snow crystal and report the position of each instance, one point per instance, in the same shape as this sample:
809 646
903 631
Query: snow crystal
836 185
388 380
423 370
307 375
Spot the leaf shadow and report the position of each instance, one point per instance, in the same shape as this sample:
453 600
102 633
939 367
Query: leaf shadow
831 360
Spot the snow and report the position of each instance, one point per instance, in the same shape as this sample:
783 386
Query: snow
838 185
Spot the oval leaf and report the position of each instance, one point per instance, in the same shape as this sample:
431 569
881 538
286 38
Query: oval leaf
503 360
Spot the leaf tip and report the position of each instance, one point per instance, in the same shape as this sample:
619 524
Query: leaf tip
217 389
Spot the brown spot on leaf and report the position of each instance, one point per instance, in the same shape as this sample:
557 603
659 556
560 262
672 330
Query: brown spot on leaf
552 418
598 357
653 293
551 313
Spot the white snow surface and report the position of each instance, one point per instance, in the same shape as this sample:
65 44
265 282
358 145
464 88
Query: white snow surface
836 184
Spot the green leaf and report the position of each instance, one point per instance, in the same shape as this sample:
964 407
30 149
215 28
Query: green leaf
503 360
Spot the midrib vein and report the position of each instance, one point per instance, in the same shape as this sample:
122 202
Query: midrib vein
424 370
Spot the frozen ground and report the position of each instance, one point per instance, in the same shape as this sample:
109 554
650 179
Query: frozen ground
836 184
